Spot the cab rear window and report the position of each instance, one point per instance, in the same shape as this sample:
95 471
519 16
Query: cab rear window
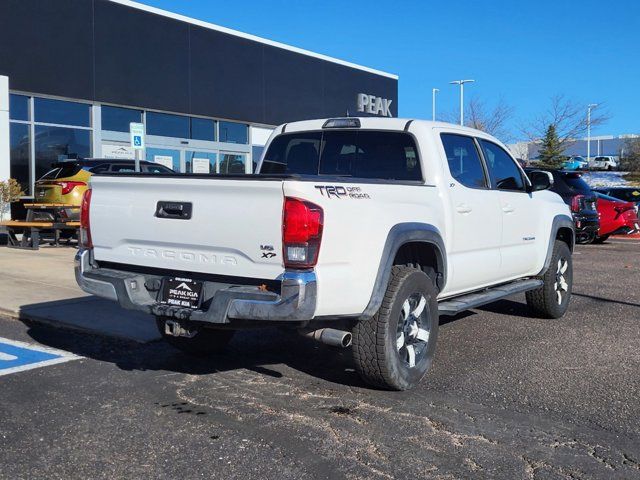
344 153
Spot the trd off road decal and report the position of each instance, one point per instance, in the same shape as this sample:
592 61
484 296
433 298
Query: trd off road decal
335 191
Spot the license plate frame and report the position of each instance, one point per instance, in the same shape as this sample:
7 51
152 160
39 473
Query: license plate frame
181 292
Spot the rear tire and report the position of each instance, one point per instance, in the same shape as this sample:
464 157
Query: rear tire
395 348
601 239
552 299
205 342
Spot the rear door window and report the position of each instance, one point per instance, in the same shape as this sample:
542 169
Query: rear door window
345 153
464 160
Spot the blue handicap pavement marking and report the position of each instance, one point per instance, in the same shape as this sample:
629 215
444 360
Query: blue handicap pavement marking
19 356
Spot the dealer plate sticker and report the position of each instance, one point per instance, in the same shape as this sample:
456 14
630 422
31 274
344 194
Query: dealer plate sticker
182 292
19 356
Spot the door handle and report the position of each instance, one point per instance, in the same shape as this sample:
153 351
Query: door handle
463 208
508 208
175 210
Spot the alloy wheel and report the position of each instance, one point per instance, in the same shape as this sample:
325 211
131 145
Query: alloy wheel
561 286
413 330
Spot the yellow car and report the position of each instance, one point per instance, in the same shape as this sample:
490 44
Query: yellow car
67 181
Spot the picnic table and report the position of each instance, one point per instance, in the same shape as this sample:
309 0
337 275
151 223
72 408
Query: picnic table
56 221
56 210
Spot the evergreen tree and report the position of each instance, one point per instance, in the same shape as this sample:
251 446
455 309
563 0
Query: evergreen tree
552 149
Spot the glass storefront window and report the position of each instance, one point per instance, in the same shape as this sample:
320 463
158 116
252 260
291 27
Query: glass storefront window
117 119
231 132
18 107
164 156
47 110
200 162
203 129
232 163
53 144
166 125
256 153
20 148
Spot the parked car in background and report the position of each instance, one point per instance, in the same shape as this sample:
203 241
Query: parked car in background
575 163
67 180
627 194
604 163
581 199
617 217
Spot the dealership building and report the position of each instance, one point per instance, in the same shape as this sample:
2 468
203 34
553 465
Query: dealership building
75 73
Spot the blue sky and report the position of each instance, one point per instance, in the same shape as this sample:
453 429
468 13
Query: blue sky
520 52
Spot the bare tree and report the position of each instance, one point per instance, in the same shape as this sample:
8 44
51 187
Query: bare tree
495 121
569 119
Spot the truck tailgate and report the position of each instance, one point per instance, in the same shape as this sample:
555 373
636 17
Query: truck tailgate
235 226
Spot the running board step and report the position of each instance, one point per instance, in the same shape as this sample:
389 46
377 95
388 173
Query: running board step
492 294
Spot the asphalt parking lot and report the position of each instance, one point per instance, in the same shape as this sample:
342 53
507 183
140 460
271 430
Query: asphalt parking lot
509 396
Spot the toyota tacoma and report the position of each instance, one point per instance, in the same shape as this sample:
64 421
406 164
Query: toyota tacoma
353 230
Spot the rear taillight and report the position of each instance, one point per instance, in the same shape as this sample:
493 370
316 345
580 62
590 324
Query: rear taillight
576 203
85 226
301 233
67 187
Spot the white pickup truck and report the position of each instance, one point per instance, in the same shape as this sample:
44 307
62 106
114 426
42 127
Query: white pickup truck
359 230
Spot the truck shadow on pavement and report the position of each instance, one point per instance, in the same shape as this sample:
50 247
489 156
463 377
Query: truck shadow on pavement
267 352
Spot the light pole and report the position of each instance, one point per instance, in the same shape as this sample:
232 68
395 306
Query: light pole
461 83
590 107
433 103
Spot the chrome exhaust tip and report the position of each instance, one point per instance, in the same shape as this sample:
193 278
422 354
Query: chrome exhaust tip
329 336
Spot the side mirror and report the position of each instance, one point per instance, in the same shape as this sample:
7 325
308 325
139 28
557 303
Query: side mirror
540 180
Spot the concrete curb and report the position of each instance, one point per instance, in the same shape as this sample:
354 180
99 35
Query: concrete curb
40 320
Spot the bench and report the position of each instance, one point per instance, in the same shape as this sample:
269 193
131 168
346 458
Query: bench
50 205
31 232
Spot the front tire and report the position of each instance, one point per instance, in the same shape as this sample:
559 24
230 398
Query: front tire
552 299
601 239
205 342
395 348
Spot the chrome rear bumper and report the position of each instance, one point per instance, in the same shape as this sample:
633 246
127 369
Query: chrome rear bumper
222 302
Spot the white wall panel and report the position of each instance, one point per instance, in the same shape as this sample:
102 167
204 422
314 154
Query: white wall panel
4 128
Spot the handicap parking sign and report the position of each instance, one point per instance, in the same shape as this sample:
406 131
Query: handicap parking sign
136 131
19 356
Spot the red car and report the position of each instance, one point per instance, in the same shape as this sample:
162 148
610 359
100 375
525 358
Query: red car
616 217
